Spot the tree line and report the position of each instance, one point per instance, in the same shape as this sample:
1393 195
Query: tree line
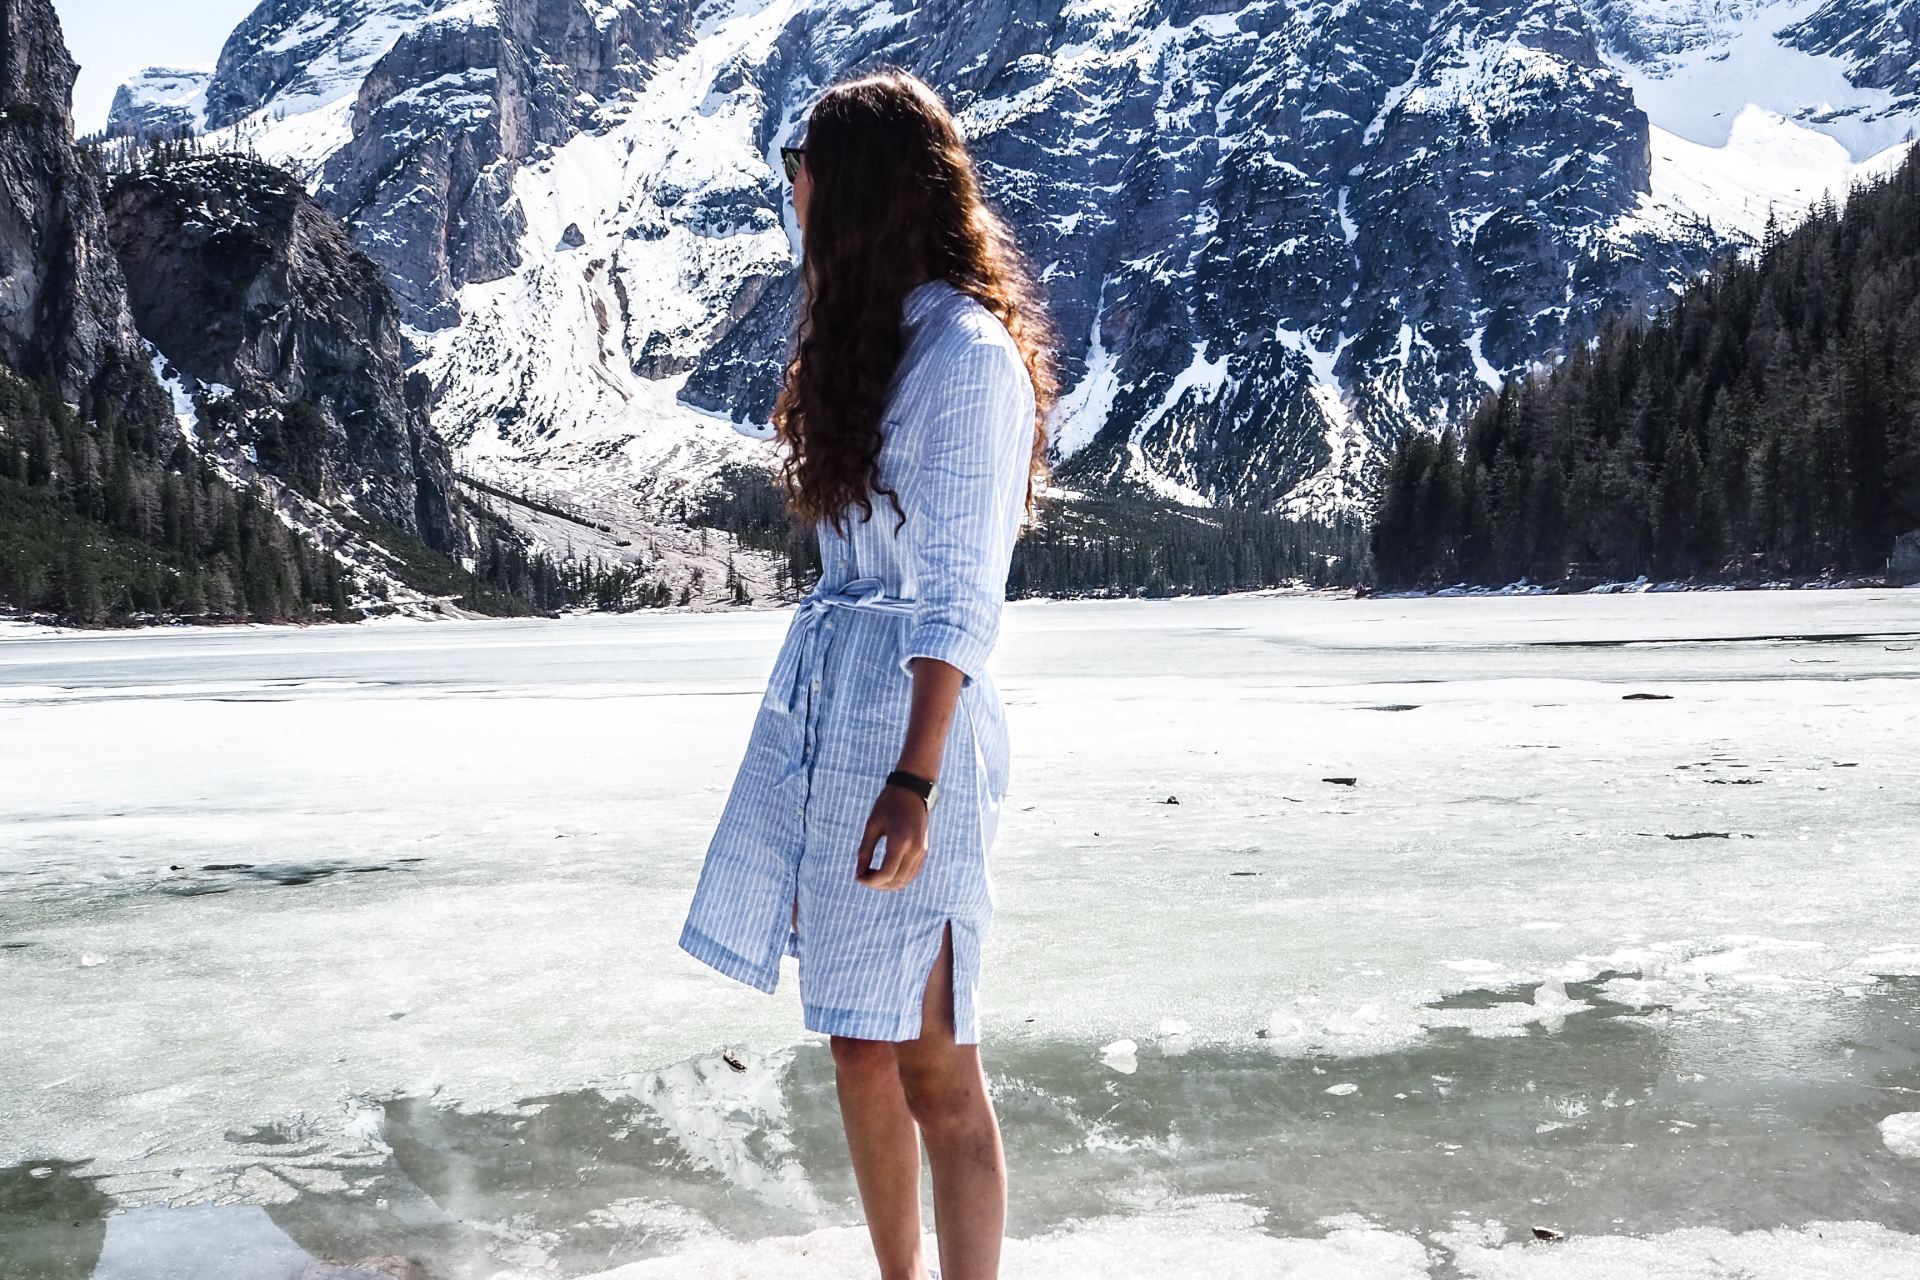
104 516
1099 545
107 517
1123 545
1764 426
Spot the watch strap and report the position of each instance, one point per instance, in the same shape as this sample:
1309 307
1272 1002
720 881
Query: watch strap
922 787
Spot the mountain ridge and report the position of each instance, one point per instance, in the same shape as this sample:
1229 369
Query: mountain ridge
1279 238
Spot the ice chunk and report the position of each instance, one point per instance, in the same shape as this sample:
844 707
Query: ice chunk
1119 1055
1901 1133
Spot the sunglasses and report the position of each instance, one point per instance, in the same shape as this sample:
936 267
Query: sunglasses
790 157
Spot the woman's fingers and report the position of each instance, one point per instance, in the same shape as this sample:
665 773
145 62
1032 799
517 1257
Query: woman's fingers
902 862
863 860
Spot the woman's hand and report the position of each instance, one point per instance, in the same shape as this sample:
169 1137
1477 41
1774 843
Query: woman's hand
898 814
901 817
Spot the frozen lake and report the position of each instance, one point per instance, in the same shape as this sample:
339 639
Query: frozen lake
352 943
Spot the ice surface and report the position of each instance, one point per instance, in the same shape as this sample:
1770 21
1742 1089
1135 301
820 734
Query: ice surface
370 929
1213 1240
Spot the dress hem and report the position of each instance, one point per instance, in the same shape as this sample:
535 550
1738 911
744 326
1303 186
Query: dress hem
859 1025
705 949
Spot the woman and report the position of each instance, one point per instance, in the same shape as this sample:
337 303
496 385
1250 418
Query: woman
855 834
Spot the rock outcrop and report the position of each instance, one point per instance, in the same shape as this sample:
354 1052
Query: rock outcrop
245 283
63 300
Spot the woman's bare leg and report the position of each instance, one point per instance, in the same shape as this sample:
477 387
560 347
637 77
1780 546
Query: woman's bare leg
946 1092
885 1147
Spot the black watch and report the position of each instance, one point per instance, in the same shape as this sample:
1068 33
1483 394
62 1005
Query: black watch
926 788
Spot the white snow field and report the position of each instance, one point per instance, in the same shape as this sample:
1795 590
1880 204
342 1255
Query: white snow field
356 943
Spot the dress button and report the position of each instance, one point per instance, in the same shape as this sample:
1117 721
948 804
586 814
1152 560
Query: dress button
816 682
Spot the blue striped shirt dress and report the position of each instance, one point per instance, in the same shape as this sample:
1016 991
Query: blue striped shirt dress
957 440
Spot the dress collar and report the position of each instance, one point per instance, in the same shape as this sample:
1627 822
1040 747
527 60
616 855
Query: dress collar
921 299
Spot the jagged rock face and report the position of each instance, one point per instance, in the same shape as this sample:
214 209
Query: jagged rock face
1882 41
243 281
446 100
1648 30
1878 40
1239 213
1847 68
1274 237
444 117
301 52
63 306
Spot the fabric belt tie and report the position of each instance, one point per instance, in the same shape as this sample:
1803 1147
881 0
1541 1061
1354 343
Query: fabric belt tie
799 663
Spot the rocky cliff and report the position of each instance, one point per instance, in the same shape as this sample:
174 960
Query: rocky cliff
63 301
245 283
163 102
203 388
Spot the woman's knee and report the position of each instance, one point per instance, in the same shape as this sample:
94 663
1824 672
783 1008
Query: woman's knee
856 1057
943 1090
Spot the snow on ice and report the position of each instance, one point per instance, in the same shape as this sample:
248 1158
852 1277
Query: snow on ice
409 887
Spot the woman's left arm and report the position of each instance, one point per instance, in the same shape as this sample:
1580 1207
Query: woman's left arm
958 496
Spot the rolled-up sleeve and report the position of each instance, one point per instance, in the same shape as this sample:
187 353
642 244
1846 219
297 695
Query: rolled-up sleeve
964 491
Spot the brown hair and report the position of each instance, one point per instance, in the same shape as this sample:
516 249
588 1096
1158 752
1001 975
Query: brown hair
894 201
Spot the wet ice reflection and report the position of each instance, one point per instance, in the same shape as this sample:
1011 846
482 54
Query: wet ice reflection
1599 1127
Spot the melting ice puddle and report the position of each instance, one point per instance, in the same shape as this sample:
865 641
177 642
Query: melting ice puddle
1439 1160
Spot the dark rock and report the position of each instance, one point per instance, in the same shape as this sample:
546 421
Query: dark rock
1879 42
242 280
1903 565
63 300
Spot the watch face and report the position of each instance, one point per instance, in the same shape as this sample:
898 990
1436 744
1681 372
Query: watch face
933 795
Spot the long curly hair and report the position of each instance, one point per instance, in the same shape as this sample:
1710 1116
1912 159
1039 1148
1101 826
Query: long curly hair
894 201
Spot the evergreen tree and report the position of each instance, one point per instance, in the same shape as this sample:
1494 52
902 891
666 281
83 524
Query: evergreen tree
1767 423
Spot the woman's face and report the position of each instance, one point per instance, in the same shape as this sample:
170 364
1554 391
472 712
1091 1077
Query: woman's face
802 187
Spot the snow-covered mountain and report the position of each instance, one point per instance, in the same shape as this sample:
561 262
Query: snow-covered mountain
162 101
1277 235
